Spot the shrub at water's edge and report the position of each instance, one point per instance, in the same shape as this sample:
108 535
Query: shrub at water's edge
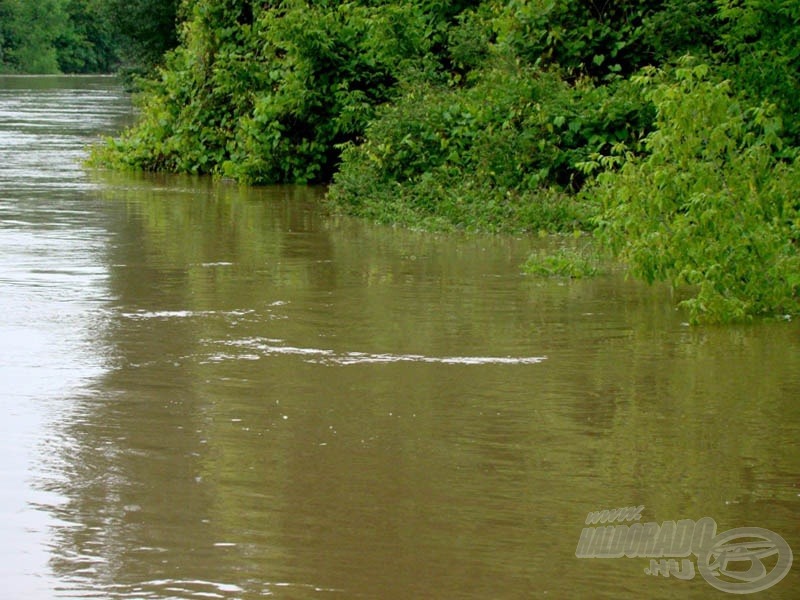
267 95
710 205
500 155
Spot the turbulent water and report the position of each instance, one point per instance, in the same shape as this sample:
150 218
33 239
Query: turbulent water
218 392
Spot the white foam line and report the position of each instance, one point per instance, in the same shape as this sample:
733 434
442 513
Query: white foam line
322 356
182 314
352 358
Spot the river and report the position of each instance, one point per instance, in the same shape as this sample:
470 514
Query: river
211 391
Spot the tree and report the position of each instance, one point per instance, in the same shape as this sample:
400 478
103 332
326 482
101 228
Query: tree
88 41
761 45
27 35
146 29
85 36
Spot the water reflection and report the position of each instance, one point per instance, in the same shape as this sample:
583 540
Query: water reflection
52 285
283 418
277 402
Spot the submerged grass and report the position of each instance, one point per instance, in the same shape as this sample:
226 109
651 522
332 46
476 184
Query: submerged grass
572 263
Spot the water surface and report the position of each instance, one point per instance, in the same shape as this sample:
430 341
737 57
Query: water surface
219 392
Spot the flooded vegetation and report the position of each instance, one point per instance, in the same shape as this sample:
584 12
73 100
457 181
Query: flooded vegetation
214 391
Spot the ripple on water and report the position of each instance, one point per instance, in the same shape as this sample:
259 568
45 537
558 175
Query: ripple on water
264 347
199 588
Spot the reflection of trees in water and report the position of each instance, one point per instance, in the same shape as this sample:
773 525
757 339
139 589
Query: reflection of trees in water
184 463
698 420
185 256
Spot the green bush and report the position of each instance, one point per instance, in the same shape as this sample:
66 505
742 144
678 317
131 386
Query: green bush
267 93
605 40
189 115
327 69
498 116
710 206
502 153
760 42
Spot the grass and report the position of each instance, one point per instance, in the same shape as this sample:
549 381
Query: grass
572 263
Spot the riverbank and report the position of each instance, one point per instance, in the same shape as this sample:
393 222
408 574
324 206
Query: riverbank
671 133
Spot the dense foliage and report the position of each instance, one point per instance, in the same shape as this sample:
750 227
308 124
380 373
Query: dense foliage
85 36
266 94
709 204
517 115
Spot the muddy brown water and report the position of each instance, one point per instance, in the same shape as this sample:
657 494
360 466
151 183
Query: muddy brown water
211 391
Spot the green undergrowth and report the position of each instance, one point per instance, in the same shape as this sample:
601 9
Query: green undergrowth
503 153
